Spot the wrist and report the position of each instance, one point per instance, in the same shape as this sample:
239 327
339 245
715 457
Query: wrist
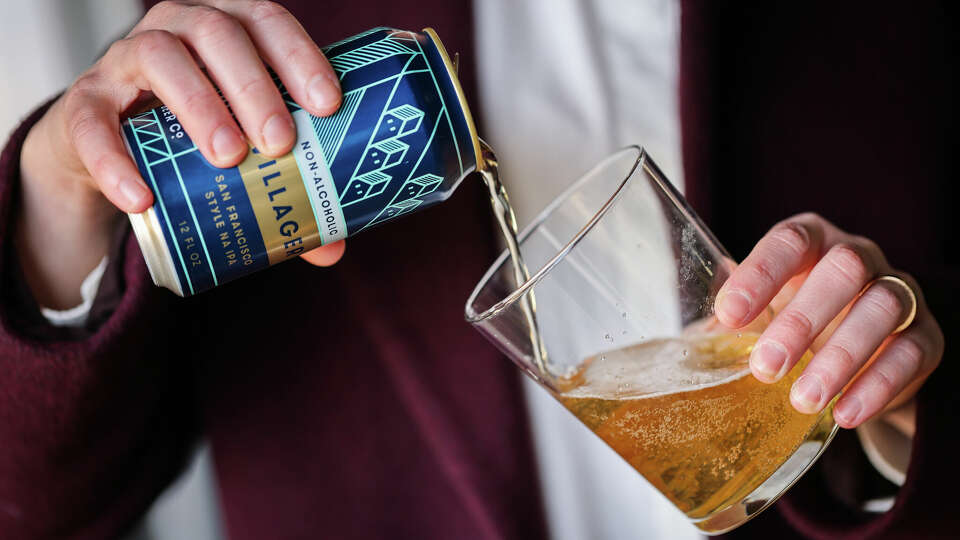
63 225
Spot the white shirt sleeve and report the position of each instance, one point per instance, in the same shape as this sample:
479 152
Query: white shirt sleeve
888 450
77 315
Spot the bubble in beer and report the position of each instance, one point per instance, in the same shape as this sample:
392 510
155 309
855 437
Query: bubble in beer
687 415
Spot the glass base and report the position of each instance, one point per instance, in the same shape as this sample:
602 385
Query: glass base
779 482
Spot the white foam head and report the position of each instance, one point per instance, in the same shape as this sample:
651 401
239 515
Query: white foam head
655 368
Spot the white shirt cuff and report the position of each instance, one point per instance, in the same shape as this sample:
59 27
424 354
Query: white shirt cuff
77 316
888 450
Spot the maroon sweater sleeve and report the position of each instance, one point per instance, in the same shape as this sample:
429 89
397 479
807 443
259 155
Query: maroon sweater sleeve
92 424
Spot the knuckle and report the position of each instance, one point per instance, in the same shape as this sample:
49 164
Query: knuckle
81 91
870 250
765 272
811 217
211 23
883 301
152 43
793 236
161 10
866 244
795 322
254 86
262 10
909 354
883 382
117 49
200 103
841 359
98 165
83 123
849 263
299 56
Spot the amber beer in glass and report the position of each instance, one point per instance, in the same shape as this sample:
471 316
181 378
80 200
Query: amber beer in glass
625 281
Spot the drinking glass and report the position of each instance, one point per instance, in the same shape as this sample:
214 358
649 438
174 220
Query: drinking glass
624 277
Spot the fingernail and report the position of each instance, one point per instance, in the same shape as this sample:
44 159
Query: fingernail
768 359
227 144
847 410
278 133
324 92
806 393
133 191
733 306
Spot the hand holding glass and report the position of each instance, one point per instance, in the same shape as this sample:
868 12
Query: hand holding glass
624 300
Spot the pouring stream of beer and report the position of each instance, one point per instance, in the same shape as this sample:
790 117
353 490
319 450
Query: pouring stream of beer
507 221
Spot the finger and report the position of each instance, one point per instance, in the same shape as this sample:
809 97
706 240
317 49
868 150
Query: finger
290 51
904 362
786 250
221 43
871 319
325 255
832 284
93 128
158 61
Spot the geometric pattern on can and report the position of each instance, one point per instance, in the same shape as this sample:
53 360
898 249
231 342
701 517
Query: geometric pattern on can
399 141
368 54
394 105
385 151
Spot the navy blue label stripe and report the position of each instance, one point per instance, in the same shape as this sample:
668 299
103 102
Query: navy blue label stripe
160 211
186 236
229 225
177 143
204 212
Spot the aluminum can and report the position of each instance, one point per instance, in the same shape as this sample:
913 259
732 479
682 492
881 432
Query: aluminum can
402 140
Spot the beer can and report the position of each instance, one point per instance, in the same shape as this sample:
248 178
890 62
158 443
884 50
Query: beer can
402 140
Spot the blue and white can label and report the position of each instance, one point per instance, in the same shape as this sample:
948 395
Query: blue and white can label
401 141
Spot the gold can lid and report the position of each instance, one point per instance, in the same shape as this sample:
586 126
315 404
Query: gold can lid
156 253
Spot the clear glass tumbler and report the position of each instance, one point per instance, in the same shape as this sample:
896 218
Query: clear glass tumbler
624 287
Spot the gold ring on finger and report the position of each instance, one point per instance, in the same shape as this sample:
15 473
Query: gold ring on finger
911 309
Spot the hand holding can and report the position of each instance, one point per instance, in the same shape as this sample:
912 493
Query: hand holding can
74 160
402 141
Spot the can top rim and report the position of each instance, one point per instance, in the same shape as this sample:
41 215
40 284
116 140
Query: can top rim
461 97
146 227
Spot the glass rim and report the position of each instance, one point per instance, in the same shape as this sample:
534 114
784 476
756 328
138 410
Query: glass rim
472 316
